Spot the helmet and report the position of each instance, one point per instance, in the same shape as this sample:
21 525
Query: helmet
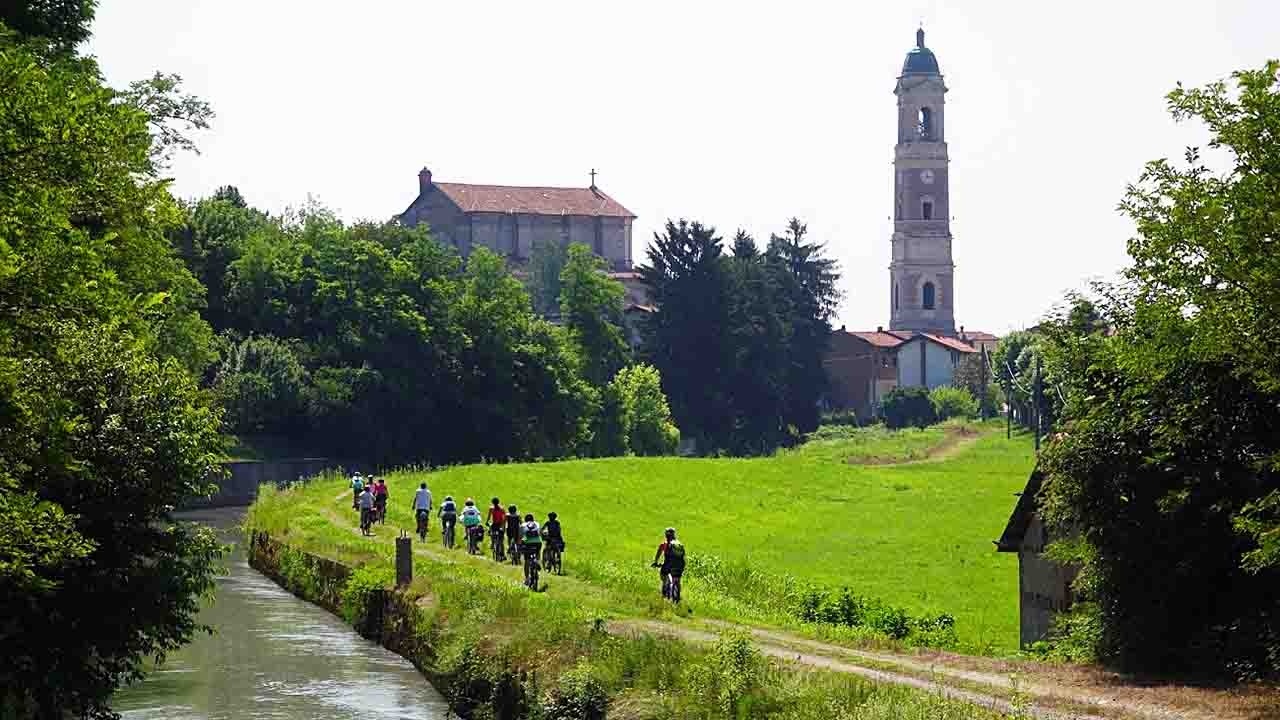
470 502
551 516
448 498
670 533
512 509
528 518
423 486
496 503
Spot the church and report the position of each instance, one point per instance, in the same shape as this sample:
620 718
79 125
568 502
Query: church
921 346
512 220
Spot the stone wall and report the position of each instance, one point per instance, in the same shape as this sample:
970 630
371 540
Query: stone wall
1044 586
240 484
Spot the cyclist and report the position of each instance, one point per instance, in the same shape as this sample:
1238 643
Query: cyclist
552 534
422 509
366 510
496 517
531 539
513 534
671 552
448 515
380 498
357 484
471 522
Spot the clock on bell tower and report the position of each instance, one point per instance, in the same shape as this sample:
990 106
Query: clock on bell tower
921 273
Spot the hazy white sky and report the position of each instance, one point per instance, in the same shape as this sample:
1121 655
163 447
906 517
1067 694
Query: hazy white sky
739 114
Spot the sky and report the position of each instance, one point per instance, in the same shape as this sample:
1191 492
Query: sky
738 114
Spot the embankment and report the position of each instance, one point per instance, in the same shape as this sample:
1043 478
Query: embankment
495 650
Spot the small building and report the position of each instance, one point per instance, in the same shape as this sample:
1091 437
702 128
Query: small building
1044 586
927 360
861 368
979 340
512 220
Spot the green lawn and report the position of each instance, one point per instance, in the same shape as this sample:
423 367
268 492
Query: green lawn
916 534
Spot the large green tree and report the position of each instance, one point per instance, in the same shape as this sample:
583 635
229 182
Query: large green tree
1168 466
591 308
102 428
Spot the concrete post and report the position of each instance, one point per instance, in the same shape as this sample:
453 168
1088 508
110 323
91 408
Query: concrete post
404 559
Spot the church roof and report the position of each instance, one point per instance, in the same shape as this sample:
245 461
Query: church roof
920 61
533 200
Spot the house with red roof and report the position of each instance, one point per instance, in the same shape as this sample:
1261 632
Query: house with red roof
512 220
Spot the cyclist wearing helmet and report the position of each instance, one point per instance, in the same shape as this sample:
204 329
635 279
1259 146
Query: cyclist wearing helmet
671 553
496 517
551 532
422 504
513 529
531 538
448 513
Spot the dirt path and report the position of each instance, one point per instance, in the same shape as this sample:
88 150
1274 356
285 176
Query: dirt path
954 439
1048 692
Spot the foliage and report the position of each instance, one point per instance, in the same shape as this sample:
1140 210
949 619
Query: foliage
907 407
975 374
591 308
740 340
263 387
1167 466
546 263
63 24
952 402
364 584
104 429
645 419
727 675
579 695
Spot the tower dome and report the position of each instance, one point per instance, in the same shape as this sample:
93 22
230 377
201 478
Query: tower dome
920 61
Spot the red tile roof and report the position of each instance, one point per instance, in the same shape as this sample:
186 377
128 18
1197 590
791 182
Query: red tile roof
533 200
950 342
881 339
977 335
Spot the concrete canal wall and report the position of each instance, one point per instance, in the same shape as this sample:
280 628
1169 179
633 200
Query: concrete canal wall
239 485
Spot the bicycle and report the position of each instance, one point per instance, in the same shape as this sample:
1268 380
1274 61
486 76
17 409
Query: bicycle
670 586
423 517
551 559
446 533
513 550
475 533
497 541
531 571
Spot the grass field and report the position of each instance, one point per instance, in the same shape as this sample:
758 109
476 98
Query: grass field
845 512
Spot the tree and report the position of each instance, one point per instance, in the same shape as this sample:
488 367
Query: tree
644 415
263 388
760 337
545 266
61 23
951 402
102 428
591 308
689 339
1168 467
973 375
907 407
807 283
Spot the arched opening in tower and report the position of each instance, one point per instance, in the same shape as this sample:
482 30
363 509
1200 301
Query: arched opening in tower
928 296
926 209
925 123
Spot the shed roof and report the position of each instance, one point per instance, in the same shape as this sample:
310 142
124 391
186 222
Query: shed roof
1011 539
880 338
533 200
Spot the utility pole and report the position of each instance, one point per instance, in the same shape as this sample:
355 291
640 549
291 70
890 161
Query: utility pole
986 371
1036 391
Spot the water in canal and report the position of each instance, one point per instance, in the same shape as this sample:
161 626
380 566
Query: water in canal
275 656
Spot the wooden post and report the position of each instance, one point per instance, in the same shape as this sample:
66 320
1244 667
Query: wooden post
404 559
982 386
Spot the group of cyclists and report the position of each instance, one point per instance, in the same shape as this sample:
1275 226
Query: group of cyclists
515 539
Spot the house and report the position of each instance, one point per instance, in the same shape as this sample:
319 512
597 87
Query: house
1044 586
861 368
928 360
512 220
979 340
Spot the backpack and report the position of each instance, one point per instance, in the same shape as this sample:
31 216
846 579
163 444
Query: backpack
675 552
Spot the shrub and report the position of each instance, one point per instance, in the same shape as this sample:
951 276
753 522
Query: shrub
949 402
364 584
908 406
727 674
646 416
580 695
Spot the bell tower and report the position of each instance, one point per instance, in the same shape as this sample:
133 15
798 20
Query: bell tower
921 274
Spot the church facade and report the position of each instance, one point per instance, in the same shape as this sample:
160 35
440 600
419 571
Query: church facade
512 220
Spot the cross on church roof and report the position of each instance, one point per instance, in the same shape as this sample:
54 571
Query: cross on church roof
593 177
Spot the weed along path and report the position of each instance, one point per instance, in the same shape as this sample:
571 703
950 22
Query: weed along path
1016 688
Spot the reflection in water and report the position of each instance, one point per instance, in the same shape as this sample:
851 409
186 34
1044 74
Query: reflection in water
275 656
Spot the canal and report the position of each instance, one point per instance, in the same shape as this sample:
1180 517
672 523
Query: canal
275 656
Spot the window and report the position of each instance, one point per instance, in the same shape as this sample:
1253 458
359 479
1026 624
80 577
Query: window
928 296
926 209
895 296
924 127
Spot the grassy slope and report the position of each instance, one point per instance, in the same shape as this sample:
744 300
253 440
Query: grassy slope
916 534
